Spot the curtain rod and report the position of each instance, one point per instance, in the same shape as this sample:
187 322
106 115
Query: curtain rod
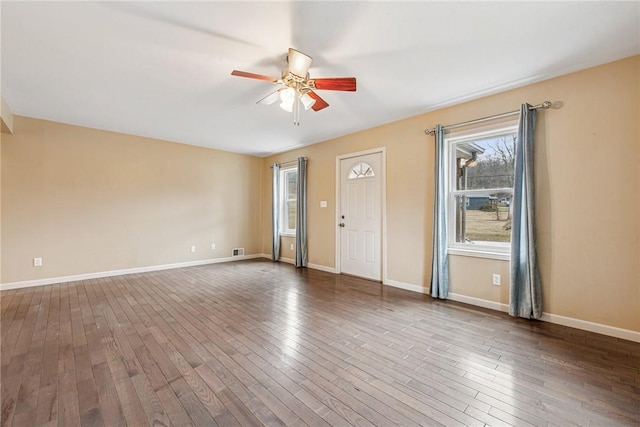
544 105
291 162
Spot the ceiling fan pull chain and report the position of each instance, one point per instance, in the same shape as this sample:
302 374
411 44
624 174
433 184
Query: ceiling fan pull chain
296 108
298 89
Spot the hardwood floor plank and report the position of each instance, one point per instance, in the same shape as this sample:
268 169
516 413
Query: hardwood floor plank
235 356
77 324
217 383
150 403
5 303
168 369
394 410
240 388
85 384
259 343
147 362
108 402
68 410
47 410
192 405
190 376
12 327
25 419
531 414
9 394
334 378
345 411
119 365
28 394
172 407
91 418
26 335
237 408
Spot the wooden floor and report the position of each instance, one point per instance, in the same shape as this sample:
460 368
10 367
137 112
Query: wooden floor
257 343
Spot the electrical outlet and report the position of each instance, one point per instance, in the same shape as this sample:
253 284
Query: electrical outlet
496 279
193 248
37 262
292 246
213 246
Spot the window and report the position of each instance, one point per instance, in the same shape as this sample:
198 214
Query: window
480 188
289 180
361 170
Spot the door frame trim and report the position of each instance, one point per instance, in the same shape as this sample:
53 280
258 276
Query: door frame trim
383 208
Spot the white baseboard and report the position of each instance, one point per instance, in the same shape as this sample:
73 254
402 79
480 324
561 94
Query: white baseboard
322 268
309 265
287 260
87 276
405 286
584 325
479 302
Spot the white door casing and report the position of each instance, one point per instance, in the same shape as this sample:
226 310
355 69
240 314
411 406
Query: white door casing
360 215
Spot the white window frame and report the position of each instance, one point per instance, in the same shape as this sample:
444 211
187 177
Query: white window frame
284 193
492 250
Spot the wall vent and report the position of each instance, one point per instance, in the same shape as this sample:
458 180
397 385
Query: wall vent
237 252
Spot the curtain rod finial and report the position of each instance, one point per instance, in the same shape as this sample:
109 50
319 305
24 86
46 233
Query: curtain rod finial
430 131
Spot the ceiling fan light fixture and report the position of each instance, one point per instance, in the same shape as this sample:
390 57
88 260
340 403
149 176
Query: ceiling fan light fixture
299 63
307 101
288 97
297 89
288 107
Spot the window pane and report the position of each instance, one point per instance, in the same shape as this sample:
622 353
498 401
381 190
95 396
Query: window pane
291 214
292 185
361 170
483 219
485 163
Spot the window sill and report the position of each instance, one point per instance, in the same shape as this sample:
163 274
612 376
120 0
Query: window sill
480 253
287 234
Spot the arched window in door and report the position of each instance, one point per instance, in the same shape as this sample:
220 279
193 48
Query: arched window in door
361 170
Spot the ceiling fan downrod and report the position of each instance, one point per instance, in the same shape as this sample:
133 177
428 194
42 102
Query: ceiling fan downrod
299 89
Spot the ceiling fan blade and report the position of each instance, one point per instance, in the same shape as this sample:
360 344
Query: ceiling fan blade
299 63
319 104
254 76
336 83
271 98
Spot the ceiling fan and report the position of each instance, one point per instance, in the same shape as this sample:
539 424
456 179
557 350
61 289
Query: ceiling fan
298 88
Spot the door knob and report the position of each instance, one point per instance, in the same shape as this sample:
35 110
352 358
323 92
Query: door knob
341 224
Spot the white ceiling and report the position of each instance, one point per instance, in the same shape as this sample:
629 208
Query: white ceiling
162 69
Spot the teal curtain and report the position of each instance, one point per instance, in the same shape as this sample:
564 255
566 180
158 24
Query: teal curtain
275 212
301 214
440 260
525 291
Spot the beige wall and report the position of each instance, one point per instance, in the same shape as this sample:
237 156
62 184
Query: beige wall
588 195
6 115
89 201
6 126
1 138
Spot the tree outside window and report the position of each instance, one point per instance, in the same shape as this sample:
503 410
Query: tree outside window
480 188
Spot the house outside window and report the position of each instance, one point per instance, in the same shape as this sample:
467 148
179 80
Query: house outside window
289 180
480 188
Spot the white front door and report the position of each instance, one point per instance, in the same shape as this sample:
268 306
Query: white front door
360 216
